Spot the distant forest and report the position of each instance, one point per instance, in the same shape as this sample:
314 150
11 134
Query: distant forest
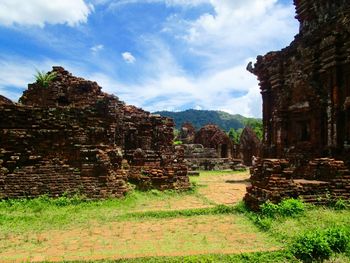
232 124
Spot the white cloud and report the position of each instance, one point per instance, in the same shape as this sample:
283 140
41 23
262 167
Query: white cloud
235 30
169 89
41 12
170 3
223 42
128 57
17 72
241 23
185 2
232 89
96 48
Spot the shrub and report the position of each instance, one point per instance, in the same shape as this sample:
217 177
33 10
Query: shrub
311 246
269 209
338 238
291 207
340 204
286 208
319 244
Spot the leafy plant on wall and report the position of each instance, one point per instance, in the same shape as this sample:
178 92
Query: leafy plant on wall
44 79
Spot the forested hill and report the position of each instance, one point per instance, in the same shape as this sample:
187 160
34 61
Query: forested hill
199 118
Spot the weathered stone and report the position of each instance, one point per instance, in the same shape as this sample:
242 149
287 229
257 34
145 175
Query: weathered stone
319 181
212 150
187 133
72 137
5 101
249 145
306 86
211 136
306 114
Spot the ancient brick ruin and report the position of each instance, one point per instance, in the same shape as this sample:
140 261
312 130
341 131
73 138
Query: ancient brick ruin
306 109
249 146
70 137
211 136
210 148
187 133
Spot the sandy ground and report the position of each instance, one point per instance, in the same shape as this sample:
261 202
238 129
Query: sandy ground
225 189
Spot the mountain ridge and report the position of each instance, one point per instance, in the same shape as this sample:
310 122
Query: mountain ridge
199 118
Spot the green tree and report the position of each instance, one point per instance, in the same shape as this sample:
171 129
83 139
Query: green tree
256 125
235 134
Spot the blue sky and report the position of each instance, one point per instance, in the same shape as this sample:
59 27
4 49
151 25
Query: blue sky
155 54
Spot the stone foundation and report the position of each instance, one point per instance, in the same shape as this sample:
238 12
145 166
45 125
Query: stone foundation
319 181
199 158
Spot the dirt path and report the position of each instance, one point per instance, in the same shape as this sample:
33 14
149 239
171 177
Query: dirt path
213 190
225 189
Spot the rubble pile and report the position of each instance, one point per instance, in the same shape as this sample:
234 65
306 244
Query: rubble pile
320 181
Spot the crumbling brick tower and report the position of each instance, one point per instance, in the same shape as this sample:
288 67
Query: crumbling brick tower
306 86
306 98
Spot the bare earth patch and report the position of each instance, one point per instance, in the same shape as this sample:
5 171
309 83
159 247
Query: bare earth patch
225 189
176 203
154 237
218 189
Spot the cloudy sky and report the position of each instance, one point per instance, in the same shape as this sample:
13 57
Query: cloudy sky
155 54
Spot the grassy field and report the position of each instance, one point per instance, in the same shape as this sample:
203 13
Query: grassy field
206 224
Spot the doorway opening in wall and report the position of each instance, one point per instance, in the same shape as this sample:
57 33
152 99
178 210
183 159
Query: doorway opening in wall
303 131
224 151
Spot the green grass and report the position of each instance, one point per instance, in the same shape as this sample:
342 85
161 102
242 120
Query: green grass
27 214
285 226
313 218
217 210
48 213
281 224
259 257
298 225
216 173
282 256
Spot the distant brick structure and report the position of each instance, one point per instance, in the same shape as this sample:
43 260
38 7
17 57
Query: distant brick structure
211 136
250 146
306 108
71 137
210 148
187 133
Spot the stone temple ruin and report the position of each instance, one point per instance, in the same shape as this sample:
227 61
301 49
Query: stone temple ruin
306 110
210 148
70 137
249 146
